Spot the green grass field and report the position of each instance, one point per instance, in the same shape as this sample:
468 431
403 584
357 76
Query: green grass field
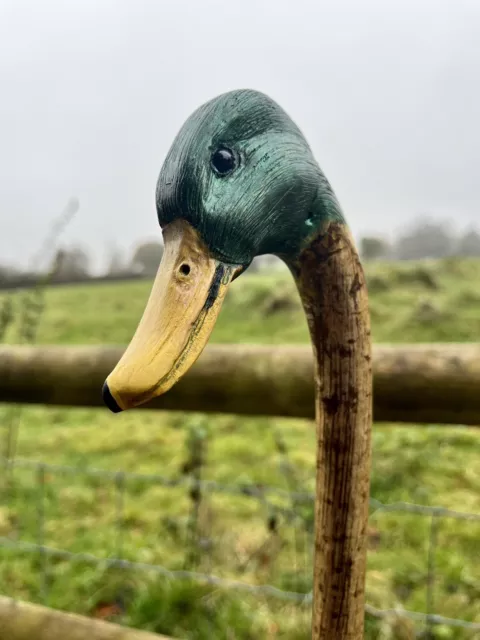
235 536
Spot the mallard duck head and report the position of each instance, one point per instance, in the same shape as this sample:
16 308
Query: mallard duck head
242 174
239 181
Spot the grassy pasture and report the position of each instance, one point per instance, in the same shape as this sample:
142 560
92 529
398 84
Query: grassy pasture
234 536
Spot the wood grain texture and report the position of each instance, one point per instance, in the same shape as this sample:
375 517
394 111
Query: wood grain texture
417 383
24 621
333 290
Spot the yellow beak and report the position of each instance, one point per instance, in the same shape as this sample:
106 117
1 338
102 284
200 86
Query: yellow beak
181 312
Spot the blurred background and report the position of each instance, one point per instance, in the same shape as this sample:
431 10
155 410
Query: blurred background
94 92
92 95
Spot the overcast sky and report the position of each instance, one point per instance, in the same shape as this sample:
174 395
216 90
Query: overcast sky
92 93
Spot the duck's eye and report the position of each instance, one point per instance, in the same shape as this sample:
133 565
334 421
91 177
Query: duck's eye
223 161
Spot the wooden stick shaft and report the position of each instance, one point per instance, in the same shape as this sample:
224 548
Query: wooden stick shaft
434 383
332 287
25 621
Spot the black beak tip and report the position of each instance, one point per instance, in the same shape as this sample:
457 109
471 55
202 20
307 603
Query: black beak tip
109 400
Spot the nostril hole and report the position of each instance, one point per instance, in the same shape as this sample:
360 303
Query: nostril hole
185 269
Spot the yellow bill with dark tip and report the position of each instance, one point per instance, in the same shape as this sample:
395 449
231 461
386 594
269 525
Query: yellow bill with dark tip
184 304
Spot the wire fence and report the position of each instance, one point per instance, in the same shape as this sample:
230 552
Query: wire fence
198 489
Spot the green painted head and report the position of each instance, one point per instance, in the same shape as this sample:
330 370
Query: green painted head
242 174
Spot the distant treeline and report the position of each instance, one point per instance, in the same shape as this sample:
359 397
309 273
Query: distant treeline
72 266
29 280
424 239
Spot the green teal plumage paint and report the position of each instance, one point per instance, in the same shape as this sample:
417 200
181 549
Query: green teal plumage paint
275 198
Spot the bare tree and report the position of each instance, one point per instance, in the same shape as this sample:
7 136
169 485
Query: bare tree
146 258
116 262
425 239
469 244
374 248
71 263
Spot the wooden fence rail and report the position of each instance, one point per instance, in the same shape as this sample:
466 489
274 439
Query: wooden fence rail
25 621
433 383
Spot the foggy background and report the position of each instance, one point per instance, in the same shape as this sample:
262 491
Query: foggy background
93 93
